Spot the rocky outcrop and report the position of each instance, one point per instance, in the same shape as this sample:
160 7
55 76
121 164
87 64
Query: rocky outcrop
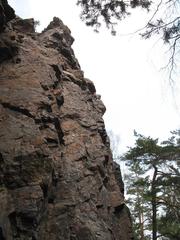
6 14
57 177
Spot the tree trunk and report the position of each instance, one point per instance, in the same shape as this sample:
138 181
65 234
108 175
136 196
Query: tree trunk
141 226
140 213
154 205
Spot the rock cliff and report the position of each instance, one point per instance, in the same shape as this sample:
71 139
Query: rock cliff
57 177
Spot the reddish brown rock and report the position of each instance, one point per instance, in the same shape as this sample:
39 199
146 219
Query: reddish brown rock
57 177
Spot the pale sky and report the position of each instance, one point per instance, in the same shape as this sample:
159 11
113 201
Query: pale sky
124 69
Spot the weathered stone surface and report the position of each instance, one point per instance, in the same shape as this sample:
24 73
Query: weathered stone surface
57 177
6 13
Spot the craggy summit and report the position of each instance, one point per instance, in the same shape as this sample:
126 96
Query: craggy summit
57 176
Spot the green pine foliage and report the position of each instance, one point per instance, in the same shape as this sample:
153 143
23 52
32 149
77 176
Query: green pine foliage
164 21
153 187
94 12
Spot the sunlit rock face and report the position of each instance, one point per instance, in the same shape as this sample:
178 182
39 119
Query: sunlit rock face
57 177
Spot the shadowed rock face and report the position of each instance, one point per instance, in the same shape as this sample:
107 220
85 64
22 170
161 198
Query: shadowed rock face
6 14
57 177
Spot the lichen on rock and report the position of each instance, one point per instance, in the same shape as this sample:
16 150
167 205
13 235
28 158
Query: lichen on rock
57 176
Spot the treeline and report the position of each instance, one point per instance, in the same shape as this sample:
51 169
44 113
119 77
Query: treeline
152 183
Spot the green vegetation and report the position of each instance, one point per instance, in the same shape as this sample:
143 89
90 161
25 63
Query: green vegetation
153 187
164 21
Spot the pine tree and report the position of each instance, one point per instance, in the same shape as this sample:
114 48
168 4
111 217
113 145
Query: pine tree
136 187
164 20
154 186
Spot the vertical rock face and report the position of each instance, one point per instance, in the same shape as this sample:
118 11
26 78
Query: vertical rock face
6 14
57 177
